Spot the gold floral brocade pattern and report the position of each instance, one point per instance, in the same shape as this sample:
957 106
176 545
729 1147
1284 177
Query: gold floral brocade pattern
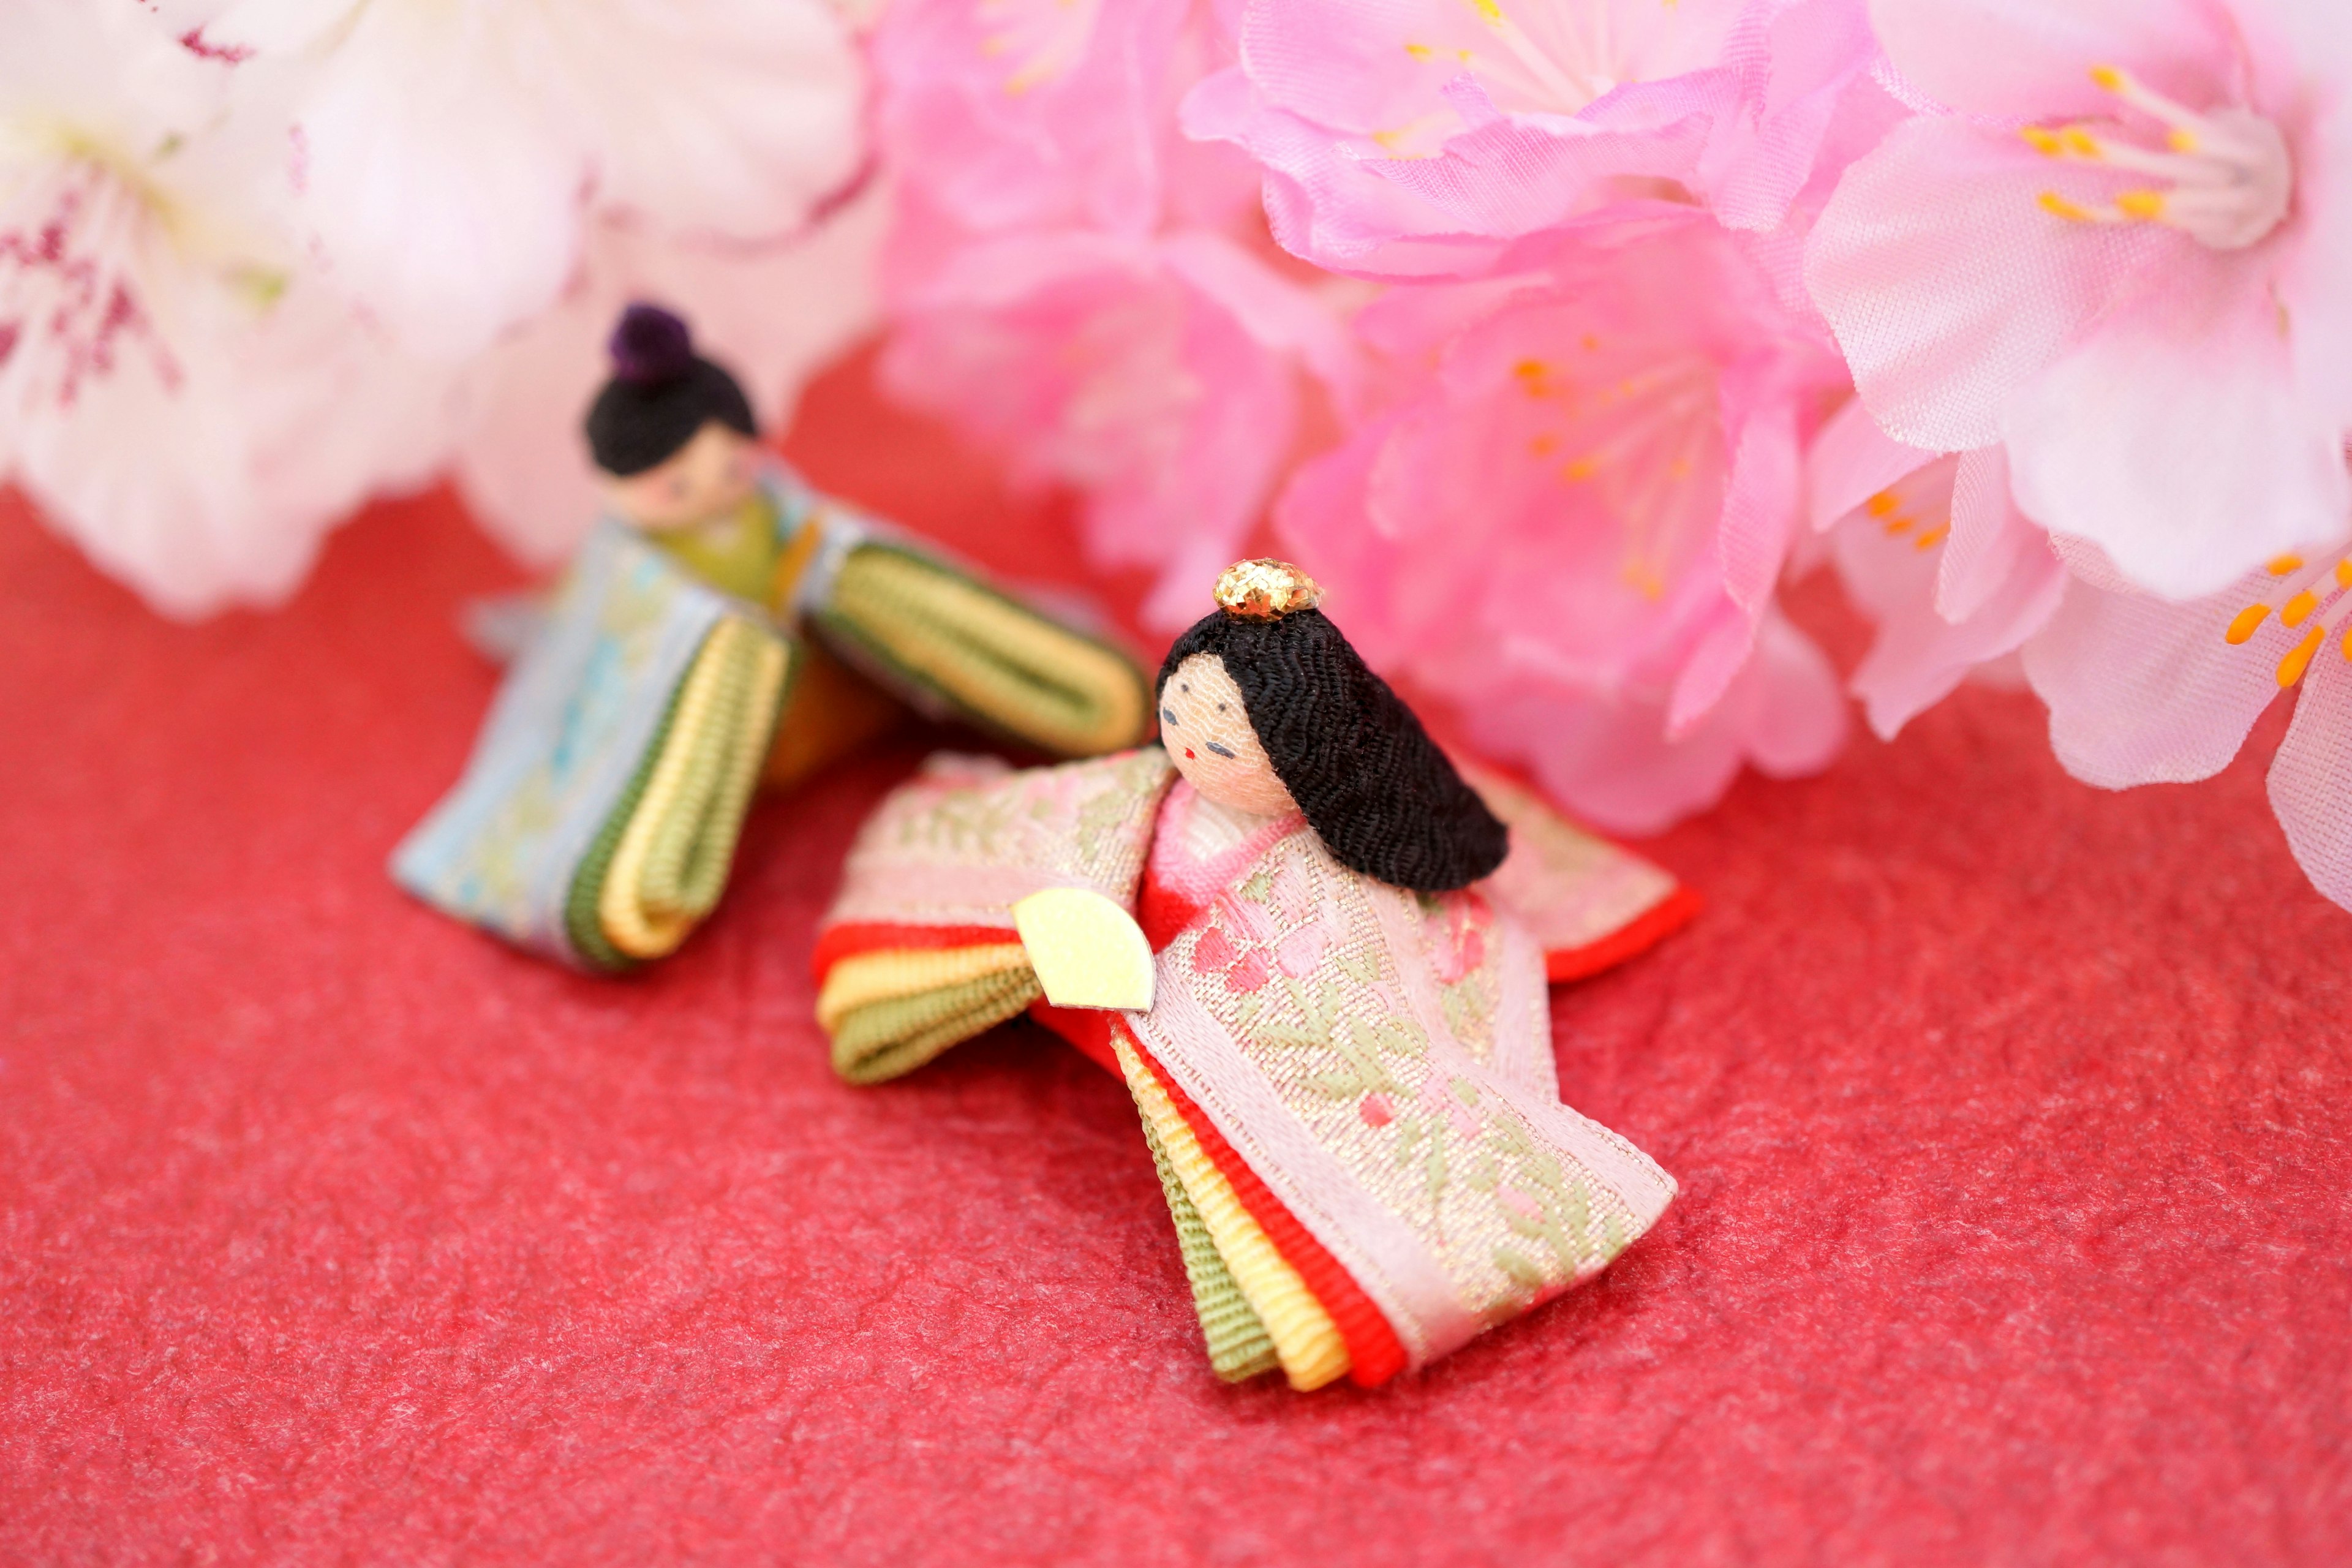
1373 1025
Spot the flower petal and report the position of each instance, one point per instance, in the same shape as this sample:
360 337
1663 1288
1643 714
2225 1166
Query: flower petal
1850 460
2032 59
2311 778
433 184
2143 690
1949 287
2177 440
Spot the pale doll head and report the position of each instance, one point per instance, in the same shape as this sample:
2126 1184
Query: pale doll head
1264 708
671 432
1205 725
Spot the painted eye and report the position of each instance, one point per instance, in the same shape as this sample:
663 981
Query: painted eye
1221 707
1221 750
1168 717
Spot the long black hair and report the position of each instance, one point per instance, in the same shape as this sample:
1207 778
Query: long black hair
661 393
1378 792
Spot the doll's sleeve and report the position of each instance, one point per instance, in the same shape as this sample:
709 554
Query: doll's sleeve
921 950
597 817
1592 904
952 645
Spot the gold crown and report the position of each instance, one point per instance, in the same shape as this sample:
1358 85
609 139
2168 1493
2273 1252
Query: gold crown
1267 590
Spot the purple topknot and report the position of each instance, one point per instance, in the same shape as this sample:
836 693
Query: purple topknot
650 347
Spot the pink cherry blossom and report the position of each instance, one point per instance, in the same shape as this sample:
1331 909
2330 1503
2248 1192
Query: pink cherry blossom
1158 376
1417 138
448 156
2122 258
1075 286
1934 550
771 314
1054 113
1571 524
2145 691
176 392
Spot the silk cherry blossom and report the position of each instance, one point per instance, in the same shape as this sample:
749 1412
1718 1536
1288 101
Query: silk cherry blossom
1076 287
1054 113
1158 376
449 155
1932 549
2145 690
1417 138
1571 524
176 392
2122 257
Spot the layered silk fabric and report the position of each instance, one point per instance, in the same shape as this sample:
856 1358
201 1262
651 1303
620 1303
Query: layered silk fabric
1367 1072
597 819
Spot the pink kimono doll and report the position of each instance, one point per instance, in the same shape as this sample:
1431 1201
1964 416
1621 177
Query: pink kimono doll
1316 956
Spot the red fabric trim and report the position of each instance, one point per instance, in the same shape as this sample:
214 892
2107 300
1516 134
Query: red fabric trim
1648 928
1374 1352
848 940
1086 1028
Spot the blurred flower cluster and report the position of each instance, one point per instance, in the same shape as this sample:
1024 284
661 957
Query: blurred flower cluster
1555 336
261 258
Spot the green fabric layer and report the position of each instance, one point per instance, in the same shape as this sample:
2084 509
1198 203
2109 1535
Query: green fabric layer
693 848
928 629
1239 1347
883 1040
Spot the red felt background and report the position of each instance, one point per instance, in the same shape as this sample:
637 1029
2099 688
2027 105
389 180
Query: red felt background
2012 1120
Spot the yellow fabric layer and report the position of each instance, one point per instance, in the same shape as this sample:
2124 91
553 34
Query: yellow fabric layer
1004 664
870 977
1304 1337
671 861
885 1039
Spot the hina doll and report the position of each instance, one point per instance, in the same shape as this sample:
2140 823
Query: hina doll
723 622
1317 957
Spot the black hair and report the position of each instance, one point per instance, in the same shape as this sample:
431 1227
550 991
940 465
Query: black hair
661 393
1376 789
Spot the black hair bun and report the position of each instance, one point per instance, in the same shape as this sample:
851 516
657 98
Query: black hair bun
650 346
660 393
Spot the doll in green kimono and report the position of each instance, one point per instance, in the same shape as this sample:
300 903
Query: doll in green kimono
723 624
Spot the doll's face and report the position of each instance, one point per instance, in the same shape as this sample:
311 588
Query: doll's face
710 474
1207 733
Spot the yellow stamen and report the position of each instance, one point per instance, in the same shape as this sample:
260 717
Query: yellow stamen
2106 78
2291 667
2044 140
1421 52
2146 205
2348 644
1491 10
1932 538
2249 621
2057 206
2298 609
1543 445
2344 574
1895 525
2285 564
2081 143
1883 504
2180 140
1581 469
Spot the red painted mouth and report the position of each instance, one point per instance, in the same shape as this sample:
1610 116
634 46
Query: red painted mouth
1189 756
